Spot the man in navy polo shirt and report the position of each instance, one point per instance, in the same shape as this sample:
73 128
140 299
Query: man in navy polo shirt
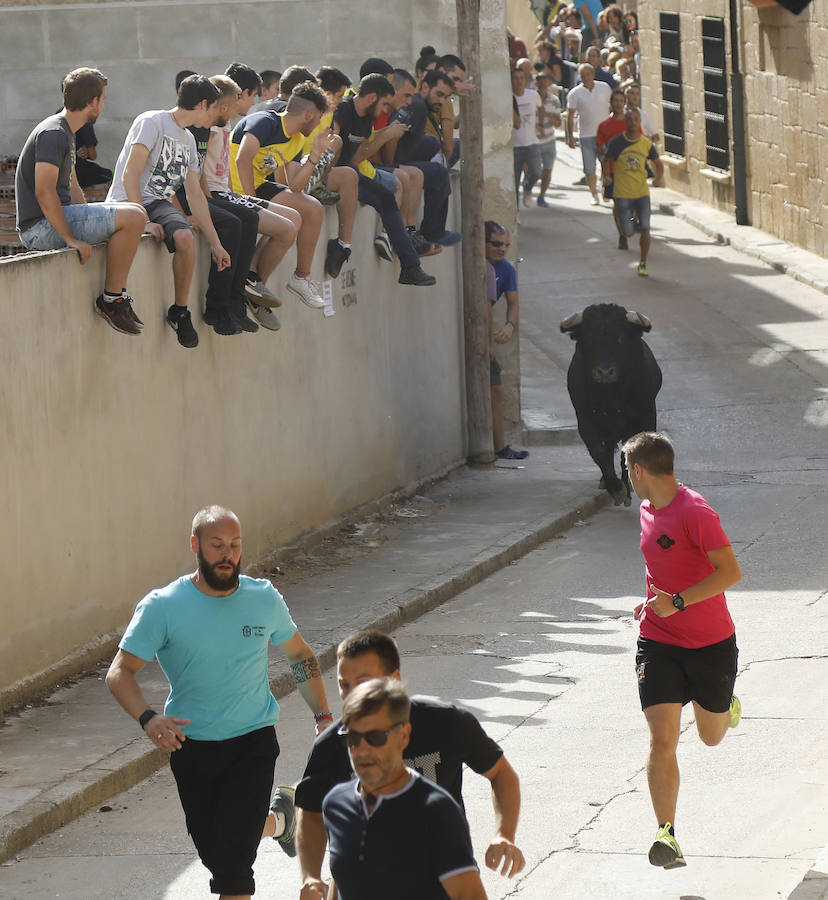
391 831
210 631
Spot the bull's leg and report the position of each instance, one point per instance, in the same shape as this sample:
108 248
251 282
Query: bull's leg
604 457
625 480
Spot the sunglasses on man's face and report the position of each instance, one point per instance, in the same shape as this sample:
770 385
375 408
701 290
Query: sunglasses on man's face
374 738
499 244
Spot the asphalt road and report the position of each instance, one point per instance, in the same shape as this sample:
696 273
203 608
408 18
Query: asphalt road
543 650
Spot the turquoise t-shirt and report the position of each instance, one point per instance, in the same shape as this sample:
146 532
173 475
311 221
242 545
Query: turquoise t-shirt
213 651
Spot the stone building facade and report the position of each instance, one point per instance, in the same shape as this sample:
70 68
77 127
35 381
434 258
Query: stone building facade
784 59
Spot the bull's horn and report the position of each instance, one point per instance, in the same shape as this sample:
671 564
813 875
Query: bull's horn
572 321
636 318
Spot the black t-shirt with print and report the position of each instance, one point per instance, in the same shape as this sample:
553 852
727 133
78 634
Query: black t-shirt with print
443 738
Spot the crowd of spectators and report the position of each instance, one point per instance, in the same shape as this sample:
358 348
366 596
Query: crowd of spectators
249 160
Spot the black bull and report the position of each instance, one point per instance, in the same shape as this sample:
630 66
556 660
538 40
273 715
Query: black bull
613 380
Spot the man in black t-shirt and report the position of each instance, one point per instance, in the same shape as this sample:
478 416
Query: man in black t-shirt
353 121
415 149
443 738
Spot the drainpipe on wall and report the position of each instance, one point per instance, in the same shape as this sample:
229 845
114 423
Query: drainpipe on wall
737 94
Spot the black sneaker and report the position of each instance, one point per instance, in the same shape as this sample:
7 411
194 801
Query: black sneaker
244 321
508 453
622 242
222 321
116 314
416 276
336 257
131 312
178 318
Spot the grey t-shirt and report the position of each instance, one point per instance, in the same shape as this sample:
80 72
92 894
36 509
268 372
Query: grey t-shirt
172 153
51 142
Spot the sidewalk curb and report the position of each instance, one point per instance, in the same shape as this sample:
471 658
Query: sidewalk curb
71 797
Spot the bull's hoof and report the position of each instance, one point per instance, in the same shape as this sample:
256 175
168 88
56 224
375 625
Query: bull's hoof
602 484
627 500
618 498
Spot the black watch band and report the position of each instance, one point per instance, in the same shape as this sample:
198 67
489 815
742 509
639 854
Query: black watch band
145 716
678 602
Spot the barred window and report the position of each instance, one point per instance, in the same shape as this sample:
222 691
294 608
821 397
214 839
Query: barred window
715 94
671 90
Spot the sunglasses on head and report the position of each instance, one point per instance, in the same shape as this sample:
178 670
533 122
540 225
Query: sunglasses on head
499 244
374 738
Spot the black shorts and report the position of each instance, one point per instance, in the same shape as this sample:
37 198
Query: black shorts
267 190
225 788
671 674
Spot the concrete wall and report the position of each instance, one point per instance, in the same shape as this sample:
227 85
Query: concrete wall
110 443
785 62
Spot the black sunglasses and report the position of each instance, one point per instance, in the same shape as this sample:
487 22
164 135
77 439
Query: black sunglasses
374 738
499 244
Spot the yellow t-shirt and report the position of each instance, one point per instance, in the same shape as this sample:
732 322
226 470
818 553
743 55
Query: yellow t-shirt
277 147
630 170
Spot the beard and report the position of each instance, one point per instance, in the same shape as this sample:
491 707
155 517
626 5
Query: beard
371 111
217 580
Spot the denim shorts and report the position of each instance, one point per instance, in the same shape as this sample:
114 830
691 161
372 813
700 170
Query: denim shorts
93 223
628 209
589 153
549 153
387 180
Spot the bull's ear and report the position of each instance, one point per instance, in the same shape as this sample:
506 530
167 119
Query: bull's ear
641 321
571 323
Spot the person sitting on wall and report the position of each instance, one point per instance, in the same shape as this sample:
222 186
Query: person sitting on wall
52 211
158 156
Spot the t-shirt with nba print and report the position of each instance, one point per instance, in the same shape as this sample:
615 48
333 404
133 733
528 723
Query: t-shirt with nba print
675 541
172 154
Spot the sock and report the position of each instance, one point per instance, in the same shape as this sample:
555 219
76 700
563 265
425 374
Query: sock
109 297
411 228
252 276
280 823
343 244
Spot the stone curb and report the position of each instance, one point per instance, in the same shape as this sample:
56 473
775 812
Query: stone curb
72 796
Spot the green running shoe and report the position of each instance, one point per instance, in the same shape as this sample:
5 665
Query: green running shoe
735 711
665 850
642 269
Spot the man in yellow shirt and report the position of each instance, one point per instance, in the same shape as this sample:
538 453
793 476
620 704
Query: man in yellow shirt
630 152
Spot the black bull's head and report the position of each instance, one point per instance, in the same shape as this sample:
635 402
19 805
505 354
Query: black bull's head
613 380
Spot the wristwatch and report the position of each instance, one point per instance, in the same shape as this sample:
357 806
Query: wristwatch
678 602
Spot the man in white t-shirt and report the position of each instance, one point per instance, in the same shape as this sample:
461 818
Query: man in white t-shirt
591 100
158 157
525 147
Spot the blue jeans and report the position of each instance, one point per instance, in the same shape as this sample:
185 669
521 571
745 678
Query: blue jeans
375 195
628 208
530 156
589 153
92 223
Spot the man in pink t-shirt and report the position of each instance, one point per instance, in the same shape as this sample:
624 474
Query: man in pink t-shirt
687 645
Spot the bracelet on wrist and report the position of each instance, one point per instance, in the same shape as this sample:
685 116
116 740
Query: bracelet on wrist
322 715
145 716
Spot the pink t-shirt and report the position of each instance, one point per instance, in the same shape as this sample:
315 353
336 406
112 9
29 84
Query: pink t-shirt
675 541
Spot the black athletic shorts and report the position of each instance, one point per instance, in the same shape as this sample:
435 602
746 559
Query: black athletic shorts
671 674
267 190
225 788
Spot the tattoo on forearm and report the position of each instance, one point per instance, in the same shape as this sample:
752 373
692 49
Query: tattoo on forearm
306 669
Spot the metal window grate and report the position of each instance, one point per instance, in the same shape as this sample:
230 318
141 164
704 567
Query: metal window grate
714 68
671 88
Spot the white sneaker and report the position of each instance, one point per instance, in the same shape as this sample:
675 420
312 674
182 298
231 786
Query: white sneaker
305 290
595 201
382 245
